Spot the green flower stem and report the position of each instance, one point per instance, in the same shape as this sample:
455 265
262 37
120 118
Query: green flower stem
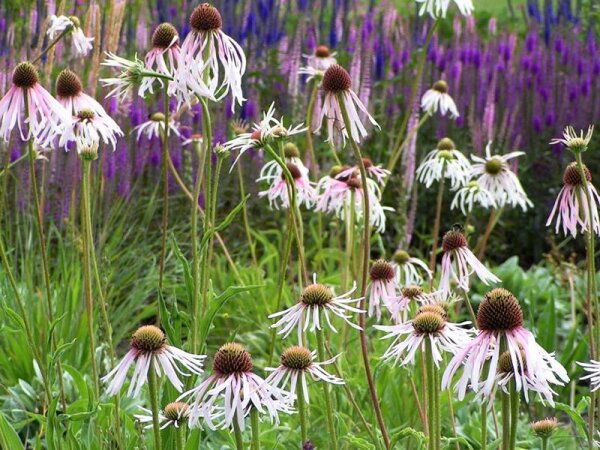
505 407
436 224
239 440
153 391
195 255
12 164
544 443
255 445
309 130
52 44
483 442
208 224
179 438
514 414
431 397
365 273
327 396
301 412
165 178
45 266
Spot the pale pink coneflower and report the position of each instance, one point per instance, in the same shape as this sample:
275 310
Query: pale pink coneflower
47 119
317 63
437 99
445 161
471 195
195 138
382 287
154 127
399 305
132 74
374 171
500 319
80 44
439 8
163 57
317 298
568 210
211 62
174 414
90 128
337 87
457 252
593 373
148 351
297 363
430 324
272 169
408 268
232 390
494 175
278 192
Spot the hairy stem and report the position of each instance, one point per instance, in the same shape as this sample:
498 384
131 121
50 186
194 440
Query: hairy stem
153 391
326 394
255 445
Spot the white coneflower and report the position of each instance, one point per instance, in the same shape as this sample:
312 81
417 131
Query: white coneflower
174 414
130 77
399 306
81 45
46 119
210 59
445 161
337 87
593 374
457 252
90 128
272 169
437 99
382 288
148 351
500 319
164 56
430 324
233 390
574 142
317 63
494 174
568 210
297 363
154 127
278 192
408 268
316 298
439 8
375 171
470 195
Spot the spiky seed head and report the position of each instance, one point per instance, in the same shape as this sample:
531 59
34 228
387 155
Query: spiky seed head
544 428
296 358
148 338
435 308
499 311
157 117
494 166
176 411
86 114
25 75
163 35
412 291
206 18
232 358
291 151
68 84
316 295
336 79
382 270
322 51
428 322
453 240
505 364
572 176
401 257
446 144
441 86
354 182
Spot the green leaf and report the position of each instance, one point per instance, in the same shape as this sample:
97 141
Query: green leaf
9 438
575 414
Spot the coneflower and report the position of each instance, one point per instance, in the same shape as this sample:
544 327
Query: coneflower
163 57
382 288
445 161
174 414
81 45
437 99
278 193
408 268
373 171
544 429
154 127
272 170
90 128
317 63
473 195
439 8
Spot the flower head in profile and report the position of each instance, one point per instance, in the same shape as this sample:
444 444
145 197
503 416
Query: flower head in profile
278 194
456 252
80 44
494 174
429 324
297 363
570 210
163 57
154 127
500 319
439 8
408 269
232 390
174 414
374 171
132 74
339 96
273 170
212 63
317 302
577 143
398 306
545 428
90 128
472 195
445 161
382 288
317 63
148 351
437 99
43 119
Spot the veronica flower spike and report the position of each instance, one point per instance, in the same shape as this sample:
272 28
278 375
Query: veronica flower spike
437 99
337 87
148 351
81 45
46 119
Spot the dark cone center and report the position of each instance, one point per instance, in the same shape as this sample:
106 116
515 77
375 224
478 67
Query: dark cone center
68 84
25 75
232 358
499 311
206 18
336 79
